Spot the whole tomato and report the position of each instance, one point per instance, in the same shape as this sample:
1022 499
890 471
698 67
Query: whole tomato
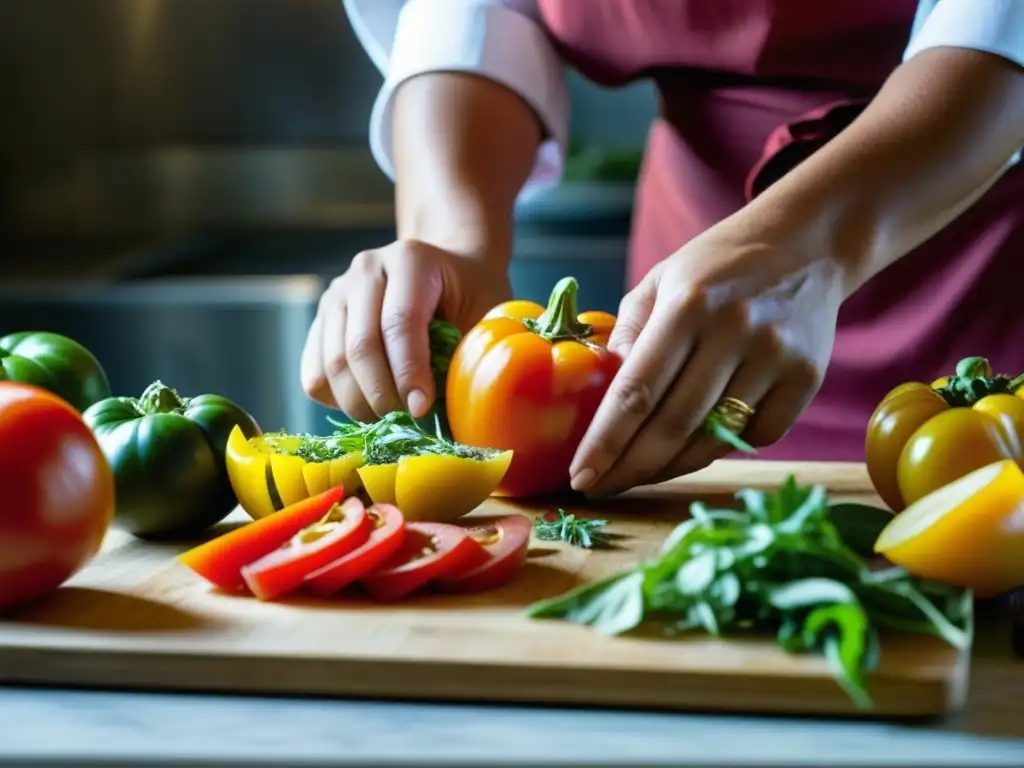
529 379
58 493
922 437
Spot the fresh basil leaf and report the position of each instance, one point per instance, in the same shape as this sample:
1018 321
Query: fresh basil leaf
859 525
726 590
810 592
812 506
696 574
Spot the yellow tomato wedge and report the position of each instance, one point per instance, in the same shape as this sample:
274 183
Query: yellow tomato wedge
435 488
969 533
379 482
266 478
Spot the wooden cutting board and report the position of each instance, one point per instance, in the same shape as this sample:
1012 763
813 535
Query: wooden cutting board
135 618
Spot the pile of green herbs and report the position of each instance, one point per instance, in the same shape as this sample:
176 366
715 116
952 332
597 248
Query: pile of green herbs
789 563
384 441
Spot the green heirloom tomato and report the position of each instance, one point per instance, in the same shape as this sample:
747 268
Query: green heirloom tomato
55 363
167 454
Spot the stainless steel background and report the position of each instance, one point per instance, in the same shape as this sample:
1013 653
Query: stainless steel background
140 118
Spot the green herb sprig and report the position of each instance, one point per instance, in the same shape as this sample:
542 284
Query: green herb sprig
384 441
779 564
583 532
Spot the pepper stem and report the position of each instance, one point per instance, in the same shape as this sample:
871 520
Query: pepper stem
159 398
974 368
560 320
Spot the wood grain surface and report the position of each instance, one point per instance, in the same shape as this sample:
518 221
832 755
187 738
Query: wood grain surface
135 618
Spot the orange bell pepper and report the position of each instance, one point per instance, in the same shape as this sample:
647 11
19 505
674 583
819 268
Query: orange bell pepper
529 379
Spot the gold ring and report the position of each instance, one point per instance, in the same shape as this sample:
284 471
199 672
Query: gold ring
733 414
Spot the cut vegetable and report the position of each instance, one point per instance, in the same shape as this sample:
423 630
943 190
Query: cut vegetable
507 541
429 551
274 470
384 540
221 560
433 487
344 528
969 533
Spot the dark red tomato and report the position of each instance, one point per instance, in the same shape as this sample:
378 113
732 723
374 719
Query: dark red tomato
344 528
506 540
429 551
58 493
385 539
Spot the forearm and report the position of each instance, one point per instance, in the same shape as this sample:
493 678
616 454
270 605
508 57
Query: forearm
463 147
935 138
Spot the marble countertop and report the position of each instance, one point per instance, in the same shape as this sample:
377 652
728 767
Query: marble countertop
154 729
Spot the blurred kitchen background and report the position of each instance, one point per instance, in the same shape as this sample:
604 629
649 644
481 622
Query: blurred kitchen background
180 178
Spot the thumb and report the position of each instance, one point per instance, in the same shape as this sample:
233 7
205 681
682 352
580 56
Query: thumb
634 311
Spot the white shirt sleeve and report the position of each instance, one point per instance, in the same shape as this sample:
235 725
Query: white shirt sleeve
996 26
502 40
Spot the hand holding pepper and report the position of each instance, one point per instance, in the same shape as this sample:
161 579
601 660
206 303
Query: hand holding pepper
367 351
727 316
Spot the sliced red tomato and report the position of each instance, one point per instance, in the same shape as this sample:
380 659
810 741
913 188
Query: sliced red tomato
345 527
220 560
429 551
383 542
506 541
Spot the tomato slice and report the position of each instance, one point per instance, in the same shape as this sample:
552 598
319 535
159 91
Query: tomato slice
220 560
345 527
429 551
506 541
383 542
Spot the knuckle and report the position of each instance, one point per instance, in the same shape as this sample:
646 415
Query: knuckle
634 396
806 374
362 347
335 367
400 322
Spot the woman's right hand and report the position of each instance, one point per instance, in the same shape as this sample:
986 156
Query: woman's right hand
367 352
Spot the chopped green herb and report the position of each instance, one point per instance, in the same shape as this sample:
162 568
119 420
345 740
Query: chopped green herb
382 442
390 438
779 564
587 533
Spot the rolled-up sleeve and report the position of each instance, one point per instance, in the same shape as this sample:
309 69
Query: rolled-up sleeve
995 26
502 41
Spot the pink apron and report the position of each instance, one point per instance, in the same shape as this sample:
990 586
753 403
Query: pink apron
748 89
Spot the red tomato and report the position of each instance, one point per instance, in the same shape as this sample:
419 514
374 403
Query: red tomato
384 541
345 527
220 561
58 493
506 541
429 551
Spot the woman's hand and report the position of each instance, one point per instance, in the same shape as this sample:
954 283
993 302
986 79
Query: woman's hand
367 351
726 316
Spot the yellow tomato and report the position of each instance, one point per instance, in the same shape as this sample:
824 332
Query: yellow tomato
266 475
435 487
969 533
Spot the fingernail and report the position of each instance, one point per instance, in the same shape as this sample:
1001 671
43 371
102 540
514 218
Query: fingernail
583 479
418 403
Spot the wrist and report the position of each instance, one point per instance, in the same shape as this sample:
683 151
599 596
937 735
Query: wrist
462 228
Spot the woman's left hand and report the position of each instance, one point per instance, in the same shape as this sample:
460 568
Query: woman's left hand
728 315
